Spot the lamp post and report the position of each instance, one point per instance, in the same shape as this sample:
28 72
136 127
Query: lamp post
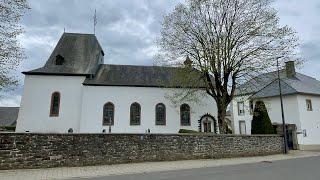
284 129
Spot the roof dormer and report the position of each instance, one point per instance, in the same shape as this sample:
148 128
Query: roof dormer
59 60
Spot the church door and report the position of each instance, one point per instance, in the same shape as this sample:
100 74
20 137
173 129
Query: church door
207 126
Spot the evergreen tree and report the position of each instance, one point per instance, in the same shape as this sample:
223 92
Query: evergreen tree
261 123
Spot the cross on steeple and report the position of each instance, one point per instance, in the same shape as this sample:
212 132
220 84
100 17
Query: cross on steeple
94 21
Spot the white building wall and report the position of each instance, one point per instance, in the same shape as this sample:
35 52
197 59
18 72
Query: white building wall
235 117
290 108
295 112
310 120
291 111
94 98
36 99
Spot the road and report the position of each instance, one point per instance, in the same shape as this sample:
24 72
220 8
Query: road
292 169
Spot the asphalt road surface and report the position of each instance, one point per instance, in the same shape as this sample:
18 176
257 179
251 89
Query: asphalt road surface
293 169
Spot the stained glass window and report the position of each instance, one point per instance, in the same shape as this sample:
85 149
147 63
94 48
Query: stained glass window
108 114
135 114
160 114
185 114
55 104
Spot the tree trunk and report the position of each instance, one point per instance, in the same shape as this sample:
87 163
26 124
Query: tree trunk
222 119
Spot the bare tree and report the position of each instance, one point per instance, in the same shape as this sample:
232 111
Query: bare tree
10 50
228 41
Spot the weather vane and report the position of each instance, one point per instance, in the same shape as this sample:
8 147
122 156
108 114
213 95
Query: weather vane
94 21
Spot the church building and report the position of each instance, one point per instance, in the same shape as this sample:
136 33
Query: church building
75 91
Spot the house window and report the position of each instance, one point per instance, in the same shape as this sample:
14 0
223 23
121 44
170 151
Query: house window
185 115
309 104
251 107
240 108
135 114
108 114
55 104
242 127
160 114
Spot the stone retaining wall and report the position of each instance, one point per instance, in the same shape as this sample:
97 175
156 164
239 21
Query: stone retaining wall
29 150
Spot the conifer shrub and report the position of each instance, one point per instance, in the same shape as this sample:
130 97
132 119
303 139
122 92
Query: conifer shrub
261 123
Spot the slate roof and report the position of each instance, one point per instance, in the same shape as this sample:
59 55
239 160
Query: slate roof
139 76
266 85
257 83
8 116
81 54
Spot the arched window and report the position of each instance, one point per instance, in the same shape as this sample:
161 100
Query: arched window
55 104
185 115
108 114
160 114
135 114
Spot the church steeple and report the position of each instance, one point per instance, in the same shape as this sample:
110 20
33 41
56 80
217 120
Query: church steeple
187 62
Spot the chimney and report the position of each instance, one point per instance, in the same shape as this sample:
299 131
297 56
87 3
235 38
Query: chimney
290 69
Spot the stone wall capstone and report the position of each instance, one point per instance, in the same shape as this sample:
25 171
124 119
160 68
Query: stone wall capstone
30 150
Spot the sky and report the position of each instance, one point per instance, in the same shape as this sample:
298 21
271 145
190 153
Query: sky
127 31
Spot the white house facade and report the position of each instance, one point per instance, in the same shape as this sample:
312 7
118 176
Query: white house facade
301 103
75 91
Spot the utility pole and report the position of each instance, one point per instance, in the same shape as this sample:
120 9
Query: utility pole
284 129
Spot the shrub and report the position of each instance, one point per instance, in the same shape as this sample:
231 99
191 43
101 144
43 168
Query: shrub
8 128
261 123
188 131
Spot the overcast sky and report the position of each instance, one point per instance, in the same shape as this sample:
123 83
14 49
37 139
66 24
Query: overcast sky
127 30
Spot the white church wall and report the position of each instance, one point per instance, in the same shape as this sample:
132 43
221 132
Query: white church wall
94 98
34 113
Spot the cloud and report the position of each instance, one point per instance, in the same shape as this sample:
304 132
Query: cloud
10 100
309 52
126 30
303 17
307 49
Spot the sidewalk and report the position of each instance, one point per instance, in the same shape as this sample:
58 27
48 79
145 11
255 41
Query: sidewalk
94 171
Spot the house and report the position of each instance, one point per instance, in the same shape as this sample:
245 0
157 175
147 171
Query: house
301 102
8 117
75 91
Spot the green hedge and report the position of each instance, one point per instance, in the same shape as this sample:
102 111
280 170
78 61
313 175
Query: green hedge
8 128
188 131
